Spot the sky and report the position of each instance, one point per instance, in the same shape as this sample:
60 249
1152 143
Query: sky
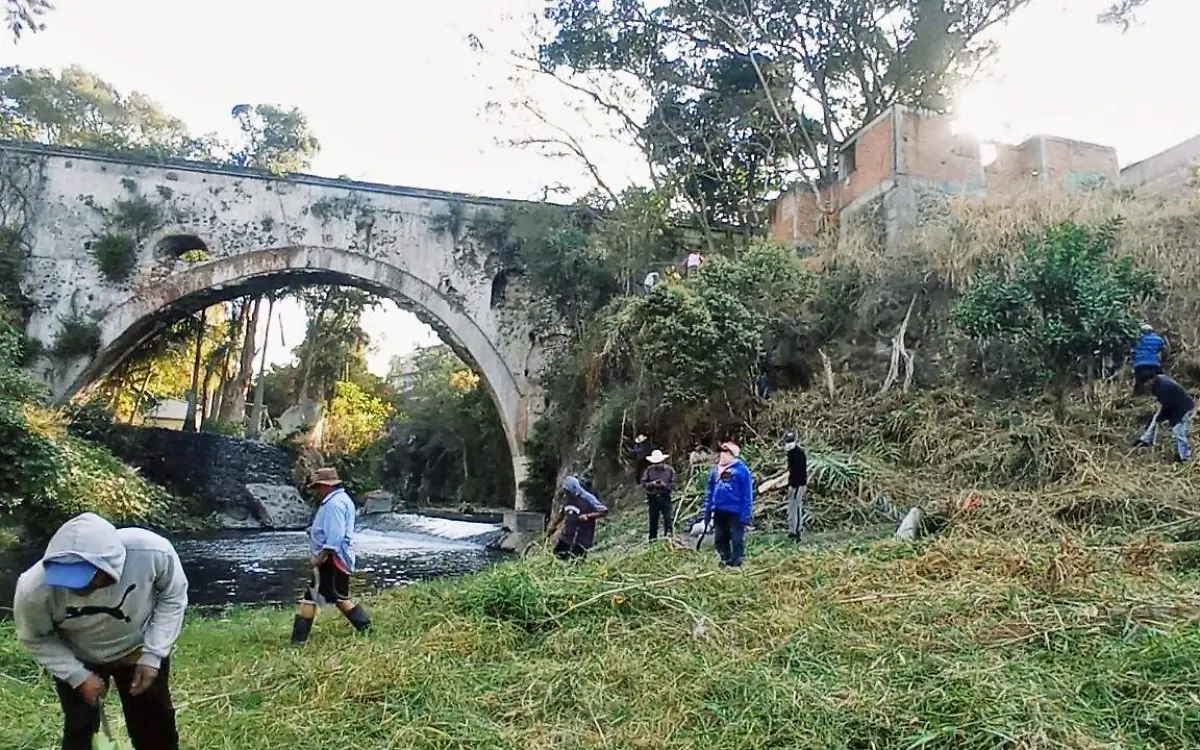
396 94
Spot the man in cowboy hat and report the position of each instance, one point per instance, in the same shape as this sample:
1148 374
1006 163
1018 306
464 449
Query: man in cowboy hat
332 537
659 481
638 452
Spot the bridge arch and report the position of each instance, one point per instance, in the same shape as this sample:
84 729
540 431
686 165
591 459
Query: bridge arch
153 307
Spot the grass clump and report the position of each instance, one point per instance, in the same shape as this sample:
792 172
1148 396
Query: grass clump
957 644
116 256
76 338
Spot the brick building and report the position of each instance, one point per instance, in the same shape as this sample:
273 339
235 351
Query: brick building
900 166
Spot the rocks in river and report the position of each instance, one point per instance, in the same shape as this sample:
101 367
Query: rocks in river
377 502
211 470
279 506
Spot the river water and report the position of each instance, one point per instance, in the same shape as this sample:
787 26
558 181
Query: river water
263 567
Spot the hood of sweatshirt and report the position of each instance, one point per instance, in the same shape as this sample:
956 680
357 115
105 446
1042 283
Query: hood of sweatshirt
572 486
91 539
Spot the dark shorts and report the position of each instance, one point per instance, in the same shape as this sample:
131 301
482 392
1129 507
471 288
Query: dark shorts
329 585
1142 373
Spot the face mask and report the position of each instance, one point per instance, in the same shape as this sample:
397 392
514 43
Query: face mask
788 446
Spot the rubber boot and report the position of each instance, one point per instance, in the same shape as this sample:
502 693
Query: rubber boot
358 618
301 627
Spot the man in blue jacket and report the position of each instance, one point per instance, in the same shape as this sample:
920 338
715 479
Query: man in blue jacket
729 504
1147 355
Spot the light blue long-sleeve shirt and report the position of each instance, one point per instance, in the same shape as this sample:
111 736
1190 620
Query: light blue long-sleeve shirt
333 527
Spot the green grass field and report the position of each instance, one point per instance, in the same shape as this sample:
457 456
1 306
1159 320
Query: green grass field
959 643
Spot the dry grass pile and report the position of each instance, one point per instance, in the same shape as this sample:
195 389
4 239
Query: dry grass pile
996 466
964 644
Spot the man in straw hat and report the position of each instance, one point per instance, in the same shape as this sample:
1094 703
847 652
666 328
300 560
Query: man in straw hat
729 504
659 481
106 604
332 537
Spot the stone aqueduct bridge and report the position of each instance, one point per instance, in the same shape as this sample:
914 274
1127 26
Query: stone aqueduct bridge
425 249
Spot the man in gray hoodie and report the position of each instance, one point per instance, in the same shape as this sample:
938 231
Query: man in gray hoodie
106 604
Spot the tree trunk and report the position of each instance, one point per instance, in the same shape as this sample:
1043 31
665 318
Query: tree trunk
246 370
141 394
189 420
310 354
256 413
224 411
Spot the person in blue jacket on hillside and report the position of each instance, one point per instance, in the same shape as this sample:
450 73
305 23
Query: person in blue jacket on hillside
729 504
1147 355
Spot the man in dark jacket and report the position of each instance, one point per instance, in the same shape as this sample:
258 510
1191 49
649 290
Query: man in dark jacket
638 452
659 482
729 504
1175 406
580 511
797 463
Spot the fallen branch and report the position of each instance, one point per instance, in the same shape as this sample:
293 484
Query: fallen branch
898 351
828 369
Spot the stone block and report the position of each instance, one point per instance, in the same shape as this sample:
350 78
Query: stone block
279 506
377 502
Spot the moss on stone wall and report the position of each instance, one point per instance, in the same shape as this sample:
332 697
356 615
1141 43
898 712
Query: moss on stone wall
115 255
76 338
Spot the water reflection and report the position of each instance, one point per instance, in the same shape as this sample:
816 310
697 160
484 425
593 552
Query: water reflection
271 566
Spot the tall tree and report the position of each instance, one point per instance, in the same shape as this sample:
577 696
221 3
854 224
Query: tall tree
334 346
729 100
274 138
78 108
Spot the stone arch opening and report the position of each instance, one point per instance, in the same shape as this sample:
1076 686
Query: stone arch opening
129 324
181 246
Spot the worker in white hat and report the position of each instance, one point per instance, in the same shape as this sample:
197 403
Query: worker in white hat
659 482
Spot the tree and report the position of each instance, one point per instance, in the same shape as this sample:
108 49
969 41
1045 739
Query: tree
1122 13
25 15
273 138
446 441
1066 307
78 108
335 346
729 100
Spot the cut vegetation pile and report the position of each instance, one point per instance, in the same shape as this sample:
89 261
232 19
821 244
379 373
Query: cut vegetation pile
964 643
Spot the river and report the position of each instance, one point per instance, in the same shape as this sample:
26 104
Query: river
264 567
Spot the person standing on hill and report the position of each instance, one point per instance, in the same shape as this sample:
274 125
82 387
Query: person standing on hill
332 547
638 452
797 463
659 483
580 511
729 504
106 604
1147 355
1176 406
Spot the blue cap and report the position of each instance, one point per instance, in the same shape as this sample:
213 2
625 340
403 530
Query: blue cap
69 575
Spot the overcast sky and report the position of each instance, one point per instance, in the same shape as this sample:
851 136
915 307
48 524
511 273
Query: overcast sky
396 95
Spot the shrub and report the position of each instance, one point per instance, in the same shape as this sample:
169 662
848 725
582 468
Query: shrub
77 338
116 256
1065 307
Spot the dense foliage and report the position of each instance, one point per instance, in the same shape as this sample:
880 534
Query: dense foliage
51 475
1067 306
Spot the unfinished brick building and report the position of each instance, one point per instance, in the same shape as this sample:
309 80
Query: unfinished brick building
903 164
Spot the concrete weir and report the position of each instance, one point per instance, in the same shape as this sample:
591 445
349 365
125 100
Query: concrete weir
119 249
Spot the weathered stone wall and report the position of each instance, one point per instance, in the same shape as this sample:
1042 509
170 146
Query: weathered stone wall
182 236
212 470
